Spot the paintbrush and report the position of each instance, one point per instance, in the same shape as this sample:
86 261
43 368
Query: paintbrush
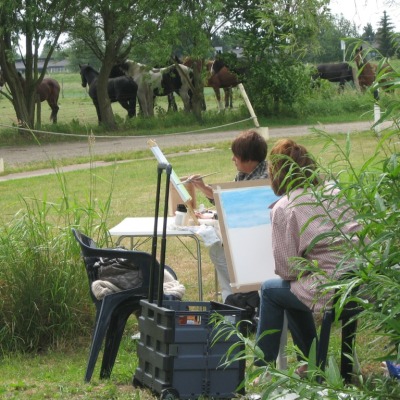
199 177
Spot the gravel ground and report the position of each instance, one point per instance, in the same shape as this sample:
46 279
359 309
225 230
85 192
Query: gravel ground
13 156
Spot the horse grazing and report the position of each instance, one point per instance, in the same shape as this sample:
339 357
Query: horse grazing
122 89
337 73
48 90
218 77
159 82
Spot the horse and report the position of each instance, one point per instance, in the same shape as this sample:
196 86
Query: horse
337 72
48 90
218 77
366 72
159 82
120 89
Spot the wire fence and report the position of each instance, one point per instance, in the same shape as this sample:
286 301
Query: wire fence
77 107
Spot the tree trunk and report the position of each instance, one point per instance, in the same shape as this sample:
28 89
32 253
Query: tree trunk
38 112
106 112
198 95
24 103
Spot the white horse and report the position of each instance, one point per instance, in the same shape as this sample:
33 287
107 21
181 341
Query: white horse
159 82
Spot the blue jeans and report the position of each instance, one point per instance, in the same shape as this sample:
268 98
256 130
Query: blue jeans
276 298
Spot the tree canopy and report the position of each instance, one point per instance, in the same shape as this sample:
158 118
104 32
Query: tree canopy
384 36
38 22
279 35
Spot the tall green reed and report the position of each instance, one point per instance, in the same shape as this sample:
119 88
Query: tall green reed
44 297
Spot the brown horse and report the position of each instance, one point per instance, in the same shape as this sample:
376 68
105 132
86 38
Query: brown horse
366 70
368 73
218 77
48 90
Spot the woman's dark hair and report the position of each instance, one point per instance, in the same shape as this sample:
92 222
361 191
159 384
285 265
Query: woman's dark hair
291 166
250 146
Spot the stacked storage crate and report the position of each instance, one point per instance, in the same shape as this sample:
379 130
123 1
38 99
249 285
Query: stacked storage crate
178 356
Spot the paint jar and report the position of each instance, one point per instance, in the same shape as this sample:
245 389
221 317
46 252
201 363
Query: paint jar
181 215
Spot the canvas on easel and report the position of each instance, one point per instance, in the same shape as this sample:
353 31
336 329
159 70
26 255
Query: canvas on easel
244 218
175 198
180 190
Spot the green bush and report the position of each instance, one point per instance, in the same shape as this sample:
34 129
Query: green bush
274 87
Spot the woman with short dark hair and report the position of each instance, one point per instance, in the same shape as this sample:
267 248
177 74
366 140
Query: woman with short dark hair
249 150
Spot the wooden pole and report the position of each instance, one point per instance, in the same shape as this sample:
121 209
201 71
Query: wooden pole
377 116
262 131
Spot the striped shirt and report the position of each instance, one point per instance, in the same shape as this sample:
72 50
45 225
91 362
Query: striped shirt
296 221
259 172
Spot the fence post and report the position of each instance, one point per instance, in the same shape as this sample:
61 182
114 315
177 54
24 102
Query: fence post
263 131
377 116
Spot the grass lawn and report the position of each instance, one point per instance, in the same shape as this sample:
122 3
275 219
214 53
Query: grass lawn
58 374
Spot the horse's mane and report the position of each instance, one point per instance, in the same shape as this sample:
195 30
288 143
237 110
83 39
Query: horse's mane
89 67
218 65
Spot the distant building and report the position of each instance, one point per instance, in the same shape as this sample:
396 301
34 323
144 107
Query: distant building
238 51
53 66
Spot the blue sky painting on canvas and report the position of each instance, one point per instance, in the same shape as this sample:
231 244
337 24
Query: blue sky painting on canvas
247 207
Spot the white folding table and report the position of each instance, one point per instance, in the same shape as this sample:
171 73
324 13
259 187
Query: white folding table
143 227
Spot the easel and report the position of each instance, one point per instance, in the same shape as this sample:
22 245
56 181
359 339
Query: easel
176 181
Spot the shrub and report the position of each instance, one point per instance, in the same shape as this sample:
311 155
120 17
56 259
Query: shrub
275 87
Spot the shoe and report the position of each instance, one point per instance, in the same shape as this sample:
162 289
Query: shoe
253 396
136 336
302 371
263 378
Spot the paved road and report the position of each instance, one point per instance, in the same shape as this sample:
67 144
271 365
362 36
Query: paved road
22 155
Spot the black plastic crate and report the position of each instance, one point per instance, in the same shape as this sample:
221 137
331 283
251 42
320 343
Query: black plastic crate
177 356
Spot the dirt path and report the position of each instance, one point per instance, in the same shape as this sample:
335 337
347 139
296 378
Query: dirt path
24 155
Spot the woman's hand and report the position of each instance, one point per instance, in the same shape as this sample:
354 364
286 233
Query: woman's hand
205 215
198 183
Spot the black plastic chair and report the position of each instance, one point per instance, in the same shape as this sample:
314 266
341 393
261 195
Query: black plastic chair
113 311
348 320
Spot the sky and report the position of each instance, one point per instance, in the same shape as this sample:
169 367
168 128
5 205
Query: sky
363 12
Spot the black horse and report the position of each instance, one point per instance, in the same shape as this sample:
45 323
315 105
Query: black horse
337 73
122 89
